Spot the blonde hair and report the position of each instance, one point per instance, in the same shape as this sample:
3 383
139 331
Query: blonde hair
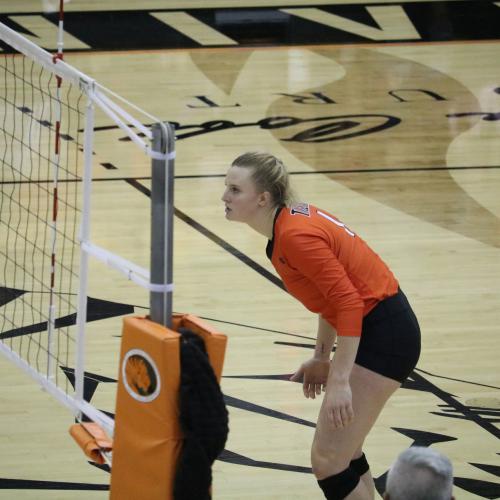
269 174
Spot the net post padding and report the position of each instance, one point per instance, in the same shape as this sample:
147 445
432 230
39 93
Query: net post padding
148 438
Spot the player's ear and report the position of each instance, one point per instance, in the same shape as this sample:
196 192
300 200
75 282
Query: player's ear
264 199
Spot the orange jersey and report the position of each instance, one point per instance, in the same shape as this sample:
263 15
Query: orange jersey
327 267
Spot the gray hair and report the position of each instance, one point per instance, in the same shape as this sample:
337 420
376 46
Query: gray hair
420 473
269 174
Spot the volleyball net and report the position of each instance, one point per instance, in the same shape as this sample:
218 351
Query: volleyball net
47 129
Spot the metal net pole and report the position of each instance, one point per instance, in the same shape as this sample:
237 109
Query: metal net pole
162 222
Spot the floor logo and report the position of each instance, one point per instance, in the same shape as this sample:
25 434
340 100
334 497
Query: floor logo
140 376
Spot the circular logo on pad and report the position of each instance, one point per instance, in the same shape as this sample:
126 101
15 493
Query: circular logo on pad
140 376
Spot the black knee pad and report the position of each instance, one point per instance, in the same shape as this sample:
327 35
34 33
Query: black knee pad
339 485
360 465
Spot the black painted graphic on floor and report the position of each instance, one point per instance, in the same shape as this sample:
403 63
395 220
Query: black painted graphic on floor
96 309
410 22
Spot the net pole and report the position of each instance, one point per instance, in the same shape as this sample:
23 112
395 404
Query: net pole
81 316
162 222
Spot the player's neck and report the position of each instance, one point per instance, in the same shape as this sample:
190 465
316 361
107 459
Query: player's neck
264 222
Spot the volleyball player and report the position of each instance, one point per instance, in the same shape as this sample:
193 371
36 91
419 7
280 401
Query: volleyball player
335 274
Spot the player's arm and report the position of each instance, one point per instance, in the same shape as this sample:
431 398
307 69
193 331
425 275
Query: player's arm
312 256
338 391
343 361
324 340
313 373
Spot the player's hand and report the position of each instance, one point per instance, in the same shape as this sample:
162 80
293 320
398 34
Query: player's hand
338 405
313 374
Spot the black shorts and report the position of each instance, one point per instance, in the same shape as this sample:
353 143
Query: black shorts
390 338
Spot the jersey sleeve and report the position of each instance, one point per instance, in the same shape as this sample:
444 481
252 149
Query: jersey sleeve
312 256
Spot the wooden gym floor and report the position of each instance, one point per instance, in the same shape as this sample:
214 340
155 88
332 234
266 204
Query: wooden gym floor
408 156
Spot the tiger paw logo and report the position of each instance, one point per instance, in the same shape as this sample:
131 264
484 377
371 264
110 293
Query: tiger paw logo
140 376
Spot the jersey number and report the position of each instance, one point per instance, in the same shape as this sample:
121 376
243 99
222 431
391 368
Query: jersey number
337 223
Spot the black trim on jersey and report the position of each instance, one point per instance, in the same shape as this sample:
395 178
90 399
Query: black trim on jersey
270 243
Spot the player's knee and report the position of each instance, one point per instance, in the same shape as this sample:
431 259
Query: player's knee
326 461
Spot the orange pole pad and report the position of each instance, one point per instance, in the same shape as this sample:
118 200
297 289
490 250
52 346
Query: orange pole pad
147 440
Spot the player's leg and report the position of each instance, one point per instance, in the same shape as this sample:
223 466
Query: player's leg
333 449
388 352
